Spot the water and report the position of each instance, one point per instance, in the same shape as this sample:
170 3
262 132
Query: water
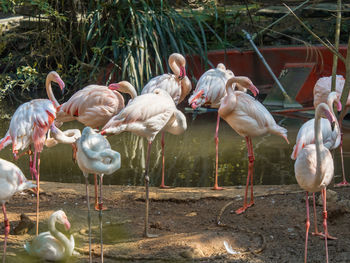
189 158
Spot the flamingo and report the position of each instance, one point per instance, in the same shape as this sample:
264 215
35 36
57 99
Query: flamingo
93 106
52 245
12 180
209 91
177 85
94 155
249 118
29 125
146 116
314 170
321 91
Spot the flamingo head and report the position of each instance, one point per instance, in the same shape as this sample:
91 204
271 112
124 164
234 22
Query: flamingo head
254 90
114 86
248 84
197 99
61 218
330 117
59 81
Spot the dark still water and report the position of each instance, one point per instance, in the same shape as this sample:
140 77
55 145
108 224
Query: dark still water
189 158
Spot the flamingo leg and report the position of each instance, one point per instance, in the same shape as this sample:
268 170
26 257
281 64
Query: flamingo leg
98 206
216 185
100 216
146 234
249 178
344 182
316 233
89 213
162 185
323 192
30 162
307 225
35 170
7 230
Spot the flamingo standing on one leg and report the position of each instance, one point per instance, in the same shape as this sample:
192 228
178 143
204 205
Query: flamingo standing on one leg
321 91
249 118
146 116
52 245
93 106
314 169
330 135
30 124
209 91
177 85
12 180
94 155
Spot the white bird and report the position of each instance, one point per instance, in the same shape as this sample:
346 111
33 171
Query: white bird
95 156
210 89
52 245
331 137
177 85
322 89
249 118
12 180
29 125
314 170
146 116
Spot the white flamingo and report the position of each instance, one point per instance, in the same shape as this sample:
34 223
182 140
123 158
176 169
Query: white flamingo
209 91
314 170
177 85
249 118
12 180
52 245
95 156
29 125
146 116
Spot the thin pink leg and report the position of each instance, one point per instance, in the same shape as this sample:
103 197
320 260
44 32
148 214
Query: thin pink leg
307 225
30 162
37 176
250 174
216 185
7 231
344 182
162 185
323 192
316 233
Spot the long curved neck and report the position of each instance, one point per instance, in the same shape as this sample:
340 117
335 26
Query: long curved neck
229 85
174 64
49 92
62 238
319 146
126 87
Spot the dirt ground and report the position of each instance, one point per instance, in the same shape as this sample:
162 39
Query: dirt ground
185 219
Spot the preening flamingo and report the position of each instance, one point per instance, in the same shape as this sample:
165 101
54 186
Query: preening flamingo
29 125
209 91
146 116
94 155
314 170
321 91
177 85
93 106
52 245
249 118
12 180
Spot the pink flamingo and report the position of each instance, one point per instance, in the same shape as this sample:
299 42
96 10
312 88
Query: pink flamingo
30 124
146 116
249 118
93 106
321 91
209 91
314 170
177 85
12 180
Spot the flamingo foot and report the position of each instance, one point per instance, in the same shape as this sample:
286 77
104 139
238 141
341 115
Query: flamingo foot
216 187
100 207
244 207
322 235
163 186
342 184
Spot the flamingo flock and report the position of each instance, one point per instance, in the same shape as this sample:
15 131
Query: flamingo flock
102 109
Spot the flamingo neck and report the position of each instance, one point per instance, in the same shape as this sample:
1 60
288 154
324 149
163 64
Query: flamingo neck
68 248
49 91
174 65
319 146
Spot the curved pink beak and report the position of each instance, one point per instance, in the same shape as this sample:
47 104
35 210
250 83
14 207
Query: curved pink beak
198 95
61 84
182 73
114 86
339 106
67 225
254 90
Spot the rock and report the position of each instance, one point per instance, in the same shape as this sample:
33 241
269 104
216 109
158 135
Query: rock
332 197
24 225
192 253
191 214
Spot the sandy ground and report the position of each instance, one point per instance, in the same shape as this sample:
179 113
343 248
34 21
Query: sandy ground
186 221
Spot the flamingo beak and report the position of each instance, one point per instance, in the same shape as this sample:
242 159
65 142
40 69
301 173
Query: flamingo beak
182 73
114 86
254 90
196 97
103 132
61 84
67 225
339 106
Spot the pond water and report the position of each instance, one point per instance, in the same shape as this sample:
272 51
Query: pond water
189 158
